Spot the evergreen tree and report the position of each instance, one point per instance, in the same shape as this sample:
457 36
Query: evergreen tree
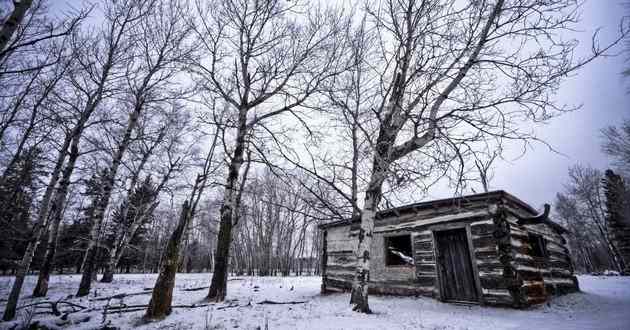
73 237
618 217
17 192
137 205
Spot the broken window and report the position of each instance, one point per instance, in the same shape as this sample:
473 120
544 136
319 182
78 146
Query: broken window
398 250
537 245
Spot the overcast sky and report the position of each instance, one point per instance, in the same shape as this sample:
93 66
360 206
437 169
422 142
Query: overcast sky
599 88
603 94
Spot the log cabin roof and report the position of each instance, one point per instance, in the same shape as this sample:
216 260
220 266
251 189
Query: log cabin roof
487 198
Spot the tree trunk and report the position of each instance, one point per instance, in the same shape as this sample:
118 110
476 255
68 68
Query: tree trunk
87 271
124 236
359 295
108 272
38 229
12 23
218 286
118 249
103 202
41 289
162 296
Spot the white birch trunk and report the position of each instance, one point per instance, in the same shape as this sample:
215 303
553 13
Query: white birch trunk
38 228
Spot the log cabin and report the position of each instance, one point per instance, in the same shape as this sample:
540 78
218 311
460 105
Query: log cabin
487 249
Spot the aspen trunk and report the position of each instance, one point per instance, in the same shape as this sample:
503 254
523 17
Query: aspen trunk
162 296
218 286
38 229
108 272
103 202
110 266
124 237
359 295
119 247
41 289
11 24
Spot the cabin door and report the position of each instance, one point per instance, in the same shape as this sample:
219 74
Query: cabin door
457 280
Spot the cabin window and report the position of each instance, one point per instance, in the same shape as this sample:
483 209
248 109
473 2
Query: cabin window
398 250
538 246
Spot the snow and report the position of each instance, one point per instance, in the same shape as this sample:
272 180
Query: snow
404 257
604 303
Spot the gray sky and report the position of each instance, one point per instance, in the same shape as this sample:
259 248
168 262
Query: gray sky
601 90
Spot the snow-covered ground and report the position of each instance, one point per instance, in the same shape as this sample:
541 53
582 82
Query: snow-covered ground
604 303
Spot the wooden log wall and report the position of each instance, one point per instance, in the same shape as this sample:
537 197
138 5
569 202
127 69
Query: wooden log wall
620 237
541 277
424 258
508 274
486 253
340 260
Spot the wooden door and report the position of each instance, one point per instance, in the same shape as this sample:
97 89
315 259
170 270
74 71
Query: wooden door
457 280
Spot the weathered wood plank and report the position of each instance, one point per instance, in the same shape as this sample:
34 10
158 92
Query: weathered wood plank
383 227
486 255
482 229
486 241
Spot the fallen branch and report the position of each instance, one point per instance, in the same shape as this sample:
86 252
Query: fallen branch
196 289
71 304
131 310
207 287
136 308
121 295
249 304
54 307
271 302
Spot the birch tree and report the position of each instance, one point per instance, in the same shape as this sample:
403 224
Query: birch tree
13 21
162 296
91 87
616 144
149 81
171 130
264 59
42 216
26 27
452 73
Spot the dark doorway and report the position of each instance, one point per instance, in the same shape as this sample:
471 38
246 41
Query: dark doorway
457 280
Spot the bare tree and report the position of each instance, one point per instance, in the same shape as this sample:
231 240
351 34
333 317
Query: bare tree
484 167
586 187
11 24
149 79
165 31
616 145
583 208
42 217
451 75
162 296
56 214
583 247
263 62
25 30
172 130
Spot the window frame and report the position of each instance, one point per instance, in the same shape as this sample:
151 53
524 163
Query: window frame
386 240
538 246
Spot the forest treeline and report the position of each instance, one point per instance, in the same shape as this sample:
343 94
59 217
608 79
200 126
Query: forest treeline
173 135
595 207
